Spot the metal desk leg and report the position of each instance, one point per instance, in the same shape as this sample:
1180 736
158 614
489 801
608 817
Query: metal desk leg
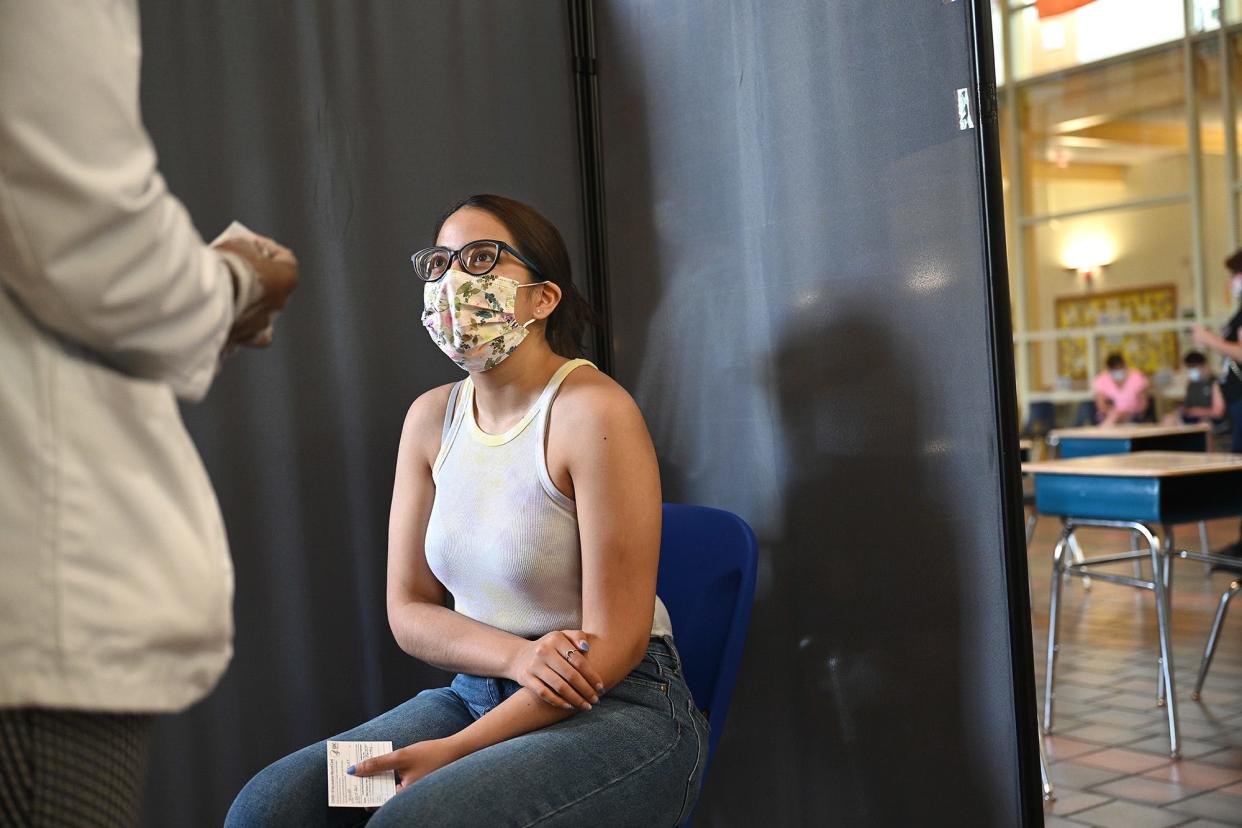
1168 602
1031 520
1058 569
1205 547
1168 572
1076 552
1210 649
1159 563
1045 777
1135 538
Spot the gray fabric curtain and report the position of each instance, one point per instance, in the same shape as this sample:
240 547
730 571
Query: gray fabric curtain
800 307
343 130
799 299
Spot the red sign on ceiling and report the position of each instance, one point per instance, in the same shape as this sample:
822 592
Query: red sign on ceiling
1049 8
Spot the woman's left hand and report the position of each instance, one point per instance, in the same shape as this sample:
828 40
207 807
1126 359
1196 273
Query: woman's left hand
1203 336
411 763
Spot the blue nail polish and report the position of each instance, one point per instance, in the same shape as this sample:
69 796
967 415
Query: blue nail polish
350 770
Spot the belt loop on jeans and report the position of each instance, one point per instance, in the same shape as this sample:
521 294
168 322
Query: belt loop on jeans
672 650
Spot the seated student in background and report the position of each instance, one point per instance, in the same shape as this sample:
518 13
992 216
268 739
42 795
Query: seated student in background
1204 401
1121 394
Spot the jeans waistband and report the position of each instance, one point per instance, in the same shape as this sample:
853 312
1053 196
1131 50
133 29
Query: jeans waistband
662 648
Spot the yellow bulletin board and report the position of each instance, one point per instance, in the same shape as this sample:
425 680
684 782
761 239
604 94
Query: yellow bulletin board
1147 352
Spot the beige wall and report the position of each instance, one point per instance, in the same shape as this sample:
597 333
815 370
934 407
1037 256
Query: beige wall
1146 247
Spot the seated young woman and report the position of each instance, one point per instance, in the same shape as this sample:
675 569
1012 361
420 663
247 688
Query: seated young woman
530 493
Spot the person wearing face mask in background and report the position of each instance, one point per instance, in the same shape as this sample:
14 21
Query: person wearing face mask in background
529 493
1226 344
1121 394
1204 401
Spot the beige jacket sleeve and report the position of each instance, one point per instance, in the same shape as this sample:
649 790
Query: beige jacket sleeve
92 244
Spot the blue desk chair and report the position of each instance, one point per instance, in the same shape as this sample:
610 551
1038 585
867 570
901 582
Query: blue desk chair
708 560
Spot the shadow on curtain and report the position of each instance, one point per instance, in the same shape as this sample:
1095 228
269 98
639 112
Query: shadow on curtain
800 308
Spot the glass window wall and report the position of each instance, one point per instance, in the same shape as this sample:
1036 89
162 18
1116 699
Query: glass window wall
1098 30
1122 194
1106 135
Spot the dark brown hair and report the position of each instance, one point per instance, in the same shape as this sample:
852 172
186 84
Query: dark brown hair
1234 262
538 240
1115 360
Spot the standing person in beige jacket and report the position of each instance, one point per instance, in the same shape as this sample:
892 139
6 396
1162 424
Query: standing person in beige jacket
115 578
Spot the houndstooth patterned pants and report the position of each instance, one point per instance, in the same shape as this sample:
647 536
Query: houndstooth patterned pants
61 768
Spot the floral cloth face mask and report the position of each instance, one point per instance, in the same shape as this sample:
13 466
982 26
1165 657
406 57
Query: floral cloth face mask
472 318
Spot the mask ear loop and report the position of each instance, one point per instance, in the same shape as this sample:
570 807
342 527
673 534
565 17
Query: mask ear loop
527 325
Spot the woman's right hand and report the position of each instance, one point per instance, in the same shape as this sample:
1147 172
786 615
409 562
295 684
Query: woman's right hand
556 669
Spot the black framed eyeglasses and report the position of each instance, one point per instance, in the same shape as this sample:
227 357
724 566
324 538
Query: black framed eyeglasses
478 258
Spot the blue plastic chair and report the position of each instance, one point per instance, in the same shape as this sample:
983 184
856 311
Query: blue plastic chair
708 559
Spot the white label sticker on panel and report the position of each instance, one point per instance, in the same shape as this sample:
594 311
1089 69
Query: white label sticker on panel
965 120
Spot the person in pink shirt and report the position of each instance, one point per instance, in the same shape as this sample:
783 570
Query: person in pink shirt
1121 394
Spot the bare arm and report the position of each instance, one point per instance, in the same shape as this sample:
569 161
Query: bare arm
1144 402
1218 402
421 622
617 489
1216 342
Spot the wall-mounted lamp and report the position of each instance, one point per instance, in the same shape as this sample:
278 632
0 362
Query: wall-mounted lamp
1087 256
1088 275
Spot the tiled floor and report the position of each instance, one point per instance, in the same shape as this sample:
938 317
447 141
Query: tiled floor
1109 748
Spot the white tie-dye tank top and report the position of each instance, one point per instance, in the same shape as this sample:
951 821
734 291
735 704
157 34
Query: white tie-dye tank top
502 538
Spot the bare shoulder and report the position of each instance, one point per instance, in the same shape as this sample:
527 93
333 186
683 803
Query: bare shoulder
425 419
590 399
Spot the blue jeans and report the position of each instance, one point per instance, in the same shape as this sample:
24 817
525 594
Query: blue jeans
636 758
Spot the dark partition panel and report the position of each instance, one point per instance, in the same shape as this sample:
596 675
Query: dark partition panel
342 129
804 307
